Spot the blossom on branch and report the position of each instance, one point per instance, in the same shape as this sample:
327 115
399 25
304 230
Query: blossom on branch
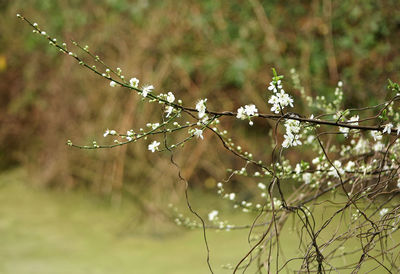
153 146
292 134
201 107
147 90
247 112
198 133
134 82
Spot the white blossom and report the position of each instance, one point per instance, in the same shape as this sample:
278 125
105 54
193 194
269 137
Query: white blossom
170 97
315 161
353 121
398 129
388 128
113 84
280 100
383 211
169 110
232 196
109 132
334 172
307 178
291 140
261 186
155 125
292 137
201 107
241 114
198 133
297 169
377 135
272 87
153 146
213 215
246 112
251 110
147 90
134 82
129 135
378 146
350 166
361 146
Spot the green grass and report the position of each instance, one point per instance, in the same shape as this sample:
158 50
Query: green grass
53 231
65 232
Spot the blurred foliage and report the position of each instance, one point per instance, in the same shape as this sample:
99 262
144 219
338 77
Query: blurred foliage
222 50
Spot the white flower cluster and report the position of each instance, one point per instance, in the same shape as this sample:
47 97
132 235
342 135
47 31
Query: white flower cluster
133 82
109 132
335 171
292 137
213 215
247 112
353 121
279 100
201 107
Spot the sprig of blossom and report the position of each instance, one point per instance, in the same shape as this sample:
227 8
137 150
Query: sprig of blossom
292 137
170 97
247 112
213 215
201 107
134 82
147 89
129 135
387 128
109 132
352 121
279 99
377 135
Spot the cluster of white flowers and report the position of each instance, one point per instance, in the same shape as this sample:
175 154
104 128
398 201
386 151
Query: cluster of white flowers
350 166
109 132
261 186
201 107
307 177
337 169
280 99
377 135
153 125
129 135
387 128
247 112
353 121
292 136
213 215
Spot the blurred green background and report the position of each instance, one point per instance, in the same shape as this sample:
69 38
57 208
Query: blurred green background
222 50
